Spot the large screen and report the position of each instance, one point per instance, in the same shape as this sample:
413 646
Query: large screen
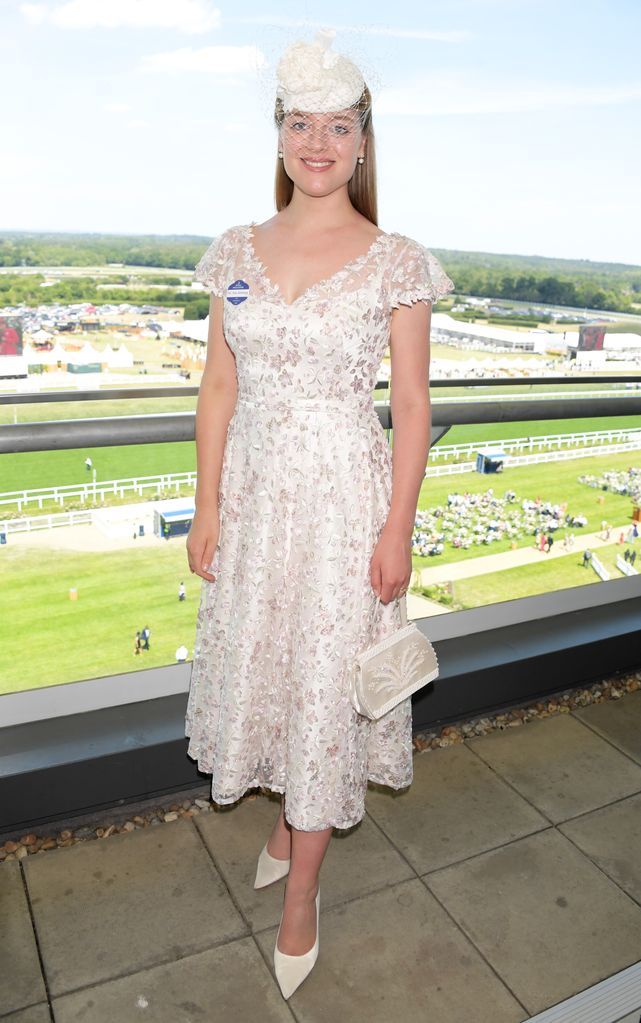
591 337
10 335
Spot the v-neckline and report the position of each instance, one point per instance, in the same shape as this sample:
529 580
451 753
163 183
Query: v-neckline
352 264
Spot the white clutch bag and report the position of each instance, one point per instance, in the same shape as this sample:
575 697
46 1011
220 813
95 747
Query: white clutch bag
392 669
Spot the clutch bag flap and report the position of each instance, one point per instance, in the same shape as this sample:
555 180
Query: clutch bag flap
391 670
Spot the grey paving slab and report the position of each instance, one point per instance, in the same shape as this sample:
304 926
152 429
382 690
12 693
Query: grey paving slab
617 720
395 955
34 1014
21 982
612 838
114 906
560 765
358 860
455 807
228 984
546 918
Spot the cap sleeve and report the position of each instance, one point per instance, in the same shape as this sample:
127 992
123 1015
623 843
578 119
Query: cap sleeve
212 267
416 275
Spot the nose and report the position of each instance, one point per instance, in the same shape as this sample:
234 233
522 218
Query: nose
319 145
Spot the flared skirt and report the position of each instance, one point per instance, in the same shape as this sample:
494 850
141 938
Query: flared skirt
303 496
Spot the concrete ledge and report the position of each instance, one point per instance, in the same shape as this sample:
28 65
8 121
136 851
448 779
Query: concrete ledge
80 763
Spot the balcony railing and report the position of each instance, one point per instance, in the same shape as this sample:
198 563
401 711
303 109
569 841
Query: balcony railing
490 657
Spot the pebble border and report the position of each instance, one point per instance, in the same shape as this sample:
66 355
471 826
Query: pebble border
422 742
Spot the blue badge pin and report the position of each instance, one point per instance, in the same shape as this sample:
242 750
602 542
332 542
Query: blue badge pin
237 292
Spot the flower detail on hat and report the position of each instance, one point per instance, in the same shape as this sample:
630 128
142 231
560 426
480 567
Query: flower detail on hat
315 79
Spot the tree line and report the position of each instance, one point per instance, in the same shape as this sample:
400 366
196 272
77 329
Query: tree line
537 279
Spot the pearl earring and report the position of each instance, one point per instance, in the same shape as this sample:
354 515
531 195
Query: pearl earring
280 155
361 159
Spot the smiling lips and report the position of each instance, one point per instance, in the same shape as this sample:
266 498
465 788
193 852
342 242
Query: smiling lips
317 165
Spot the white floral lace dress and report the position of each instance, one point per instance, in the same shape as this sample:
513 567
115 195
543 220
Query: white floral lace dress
304 492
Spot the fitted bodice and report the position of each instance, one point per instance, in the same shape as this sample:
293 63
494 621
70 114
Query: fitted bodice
327 345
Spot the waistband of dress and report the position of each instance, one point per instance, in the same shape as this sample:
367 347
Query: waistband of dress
358 403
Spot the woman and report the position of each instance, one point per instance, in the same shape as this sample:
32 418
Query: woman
297 527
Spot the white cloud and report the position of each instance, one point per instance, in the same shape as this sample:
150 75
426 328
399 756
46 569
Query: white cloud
35 13
454 36
452 93
216 60
116 108
192 16
236 128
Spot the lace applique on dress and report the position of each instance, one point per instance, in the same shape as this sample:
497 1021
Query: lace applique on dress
416 275
212 268
304 492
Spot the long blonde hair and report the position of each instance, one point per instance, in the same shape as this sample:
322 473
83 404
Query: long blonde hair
361 187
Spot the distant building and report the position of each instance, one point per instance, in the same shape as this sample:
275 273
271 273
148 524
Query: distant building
445 328
592 346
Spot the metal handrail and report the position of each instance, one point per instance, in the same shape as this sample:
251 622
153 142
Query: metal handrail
113 431
178 391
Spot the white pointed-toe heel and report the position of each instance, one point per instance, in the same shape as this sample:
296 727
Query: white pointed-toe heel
269 869
292 970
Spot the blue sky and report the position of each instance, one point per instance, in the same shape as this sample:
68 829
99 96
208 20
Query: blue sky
503 125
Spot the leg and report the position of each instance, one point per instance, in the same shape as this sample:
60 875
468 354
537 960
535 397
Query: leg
298 927
279 844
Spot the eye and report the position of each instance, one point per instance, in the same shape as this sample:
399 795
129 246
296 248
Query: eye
341 129
296 125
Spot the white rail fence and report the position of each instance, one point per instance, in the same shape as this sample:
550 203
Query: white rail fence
551 441
99 490
455 468
33 522
625 566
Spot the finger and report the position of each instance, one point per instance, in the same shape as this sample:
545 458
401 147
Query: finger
207 556
193 556
376 579
195 566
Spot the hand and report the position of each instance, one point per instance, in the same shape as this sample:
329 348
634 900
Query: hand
391 564
202 541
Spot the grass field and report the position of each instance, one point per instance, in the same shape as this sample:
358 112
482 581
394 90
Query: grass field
49 638
478 433
108 407
528 580
552 481
33 469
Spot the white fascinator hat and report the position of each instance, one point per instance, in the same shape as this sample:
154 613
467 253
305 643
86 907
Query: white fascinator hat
312 77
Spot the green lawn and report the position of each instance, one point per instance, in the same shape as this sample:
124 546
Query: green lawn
33 469
49 638
39 412
552 481
477 433
528 580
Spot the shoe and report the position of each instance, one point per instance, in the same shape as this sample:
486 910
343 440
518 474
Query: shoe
292 970
269 869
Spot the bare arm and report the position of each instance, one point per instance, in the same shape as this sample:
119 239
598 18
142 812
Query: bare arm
216 402
411 410
391 565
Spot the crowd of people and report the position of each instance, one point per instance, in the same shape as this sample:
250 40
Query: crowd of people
626 481
469 520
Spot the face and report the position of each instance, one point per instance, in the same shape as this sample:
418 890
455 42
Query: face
320 150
